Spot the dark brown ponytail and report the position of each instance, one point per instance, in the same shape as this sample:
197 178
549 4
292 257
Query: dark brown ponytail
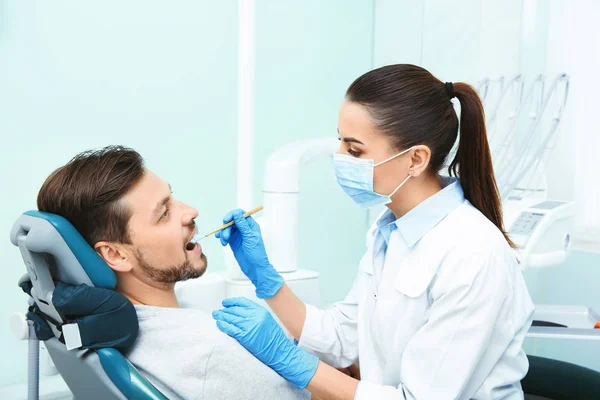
413 107
473 160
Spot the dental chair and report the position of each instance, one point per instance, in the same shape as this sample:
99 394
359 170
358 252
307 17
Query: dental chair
549 379
53 251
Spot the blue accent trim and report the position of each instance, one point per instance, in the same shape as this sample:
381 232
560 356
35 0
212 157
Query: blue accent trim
94 266
142 388
126 378
117 369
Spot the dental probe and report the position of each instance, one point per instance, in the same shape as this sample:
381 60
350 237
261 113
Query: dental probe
197 238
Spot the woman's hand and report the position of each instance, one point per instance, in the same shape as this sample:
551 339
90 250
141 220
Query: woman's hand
256 330
246 242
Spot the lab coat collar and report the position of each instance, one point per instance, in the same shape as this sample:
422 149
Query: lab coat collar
425 216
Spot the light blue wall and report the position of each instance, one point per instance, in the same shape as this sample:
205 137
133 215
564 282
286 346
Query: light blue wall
307 54
161 78
458 41
398 32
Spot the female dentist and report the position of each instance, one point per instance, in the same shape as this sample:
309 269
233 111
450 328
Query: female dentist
439 308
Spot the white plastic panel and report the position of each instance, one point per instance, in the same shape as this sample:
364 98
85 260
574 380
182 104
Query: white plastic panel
579 321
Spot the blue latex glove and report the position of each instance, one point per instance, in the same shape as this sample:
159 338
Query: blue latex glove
256 330
245 240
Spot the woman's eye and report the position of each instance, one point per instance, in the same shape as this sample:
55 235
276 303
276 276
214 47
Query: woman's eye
353 153
165 214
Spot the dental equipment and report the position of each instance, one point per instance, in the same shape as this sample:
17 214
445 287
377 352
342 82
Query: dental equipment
516 86
198 238
533 154
489 88
539 227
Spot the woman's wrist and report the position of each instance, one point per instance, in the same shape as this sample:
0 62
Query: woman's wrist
300 368
268 283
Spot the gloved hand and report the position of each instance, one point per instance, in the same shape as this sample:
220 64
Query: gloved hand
245 240
256 330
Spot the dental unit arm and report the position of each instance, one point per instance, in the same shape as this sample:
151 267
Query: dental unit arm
279 222
281 190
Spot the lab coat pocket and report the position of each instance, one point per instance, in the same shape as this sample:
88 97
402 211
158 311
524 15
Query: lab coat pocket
397 317
415 275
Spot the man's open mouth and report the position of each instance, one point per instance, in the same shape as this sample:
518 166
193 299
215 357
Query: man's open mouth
190 244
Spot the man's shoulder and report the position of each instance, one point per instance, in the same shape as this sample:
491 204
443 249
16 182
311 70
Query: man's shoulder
152 312
170 316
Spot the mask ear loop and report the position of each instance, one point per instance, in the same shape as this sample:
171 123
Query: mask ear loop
399 186
391 158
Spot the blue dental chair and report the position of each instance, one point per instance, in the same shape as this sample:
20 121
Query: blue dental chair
53 250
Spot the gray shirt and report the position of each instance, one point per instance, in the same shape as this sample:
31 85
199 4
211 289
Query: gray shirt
184 354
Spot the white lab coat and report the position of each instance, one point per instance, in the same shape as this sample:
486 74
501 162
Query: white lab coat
441 314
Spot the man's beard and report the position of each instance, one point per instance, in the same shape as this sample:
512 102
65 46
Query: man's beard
176 273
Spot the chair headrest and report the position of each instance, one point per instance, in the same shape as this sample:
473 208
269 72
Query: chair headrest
72 260
105 318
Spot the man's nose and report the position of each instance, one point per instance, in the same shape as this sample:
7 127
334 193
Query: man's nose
189 214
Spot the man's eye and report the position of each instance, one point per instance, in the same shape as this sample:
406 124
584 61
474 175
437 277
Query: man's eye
353 153
165 214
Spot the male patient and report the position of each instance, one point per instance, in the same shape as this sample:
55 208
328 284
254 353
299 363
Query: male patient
129 216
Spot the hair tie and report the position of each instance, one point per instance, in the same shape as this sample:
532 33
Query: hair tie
450 90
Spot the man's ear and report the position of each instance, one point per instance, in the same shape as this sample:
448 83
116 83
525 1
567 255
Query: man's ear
116 255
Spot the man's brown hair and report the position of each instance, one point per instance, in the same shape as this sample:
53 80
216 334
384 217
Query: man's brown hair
88 189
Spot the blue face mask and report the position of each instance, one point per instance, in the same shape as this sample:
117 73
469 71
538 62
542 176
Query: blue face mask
355 176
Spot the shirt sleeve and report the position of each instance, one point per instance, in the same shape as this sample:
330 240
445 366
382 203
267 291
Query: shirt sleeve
452 354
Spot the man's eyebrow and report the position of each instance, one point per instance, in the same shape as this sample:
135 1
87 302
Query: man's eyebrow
350 139
161 203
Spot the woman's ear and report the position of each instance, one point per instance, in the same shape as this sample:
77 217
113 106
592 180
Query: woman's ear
116 255
419 157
